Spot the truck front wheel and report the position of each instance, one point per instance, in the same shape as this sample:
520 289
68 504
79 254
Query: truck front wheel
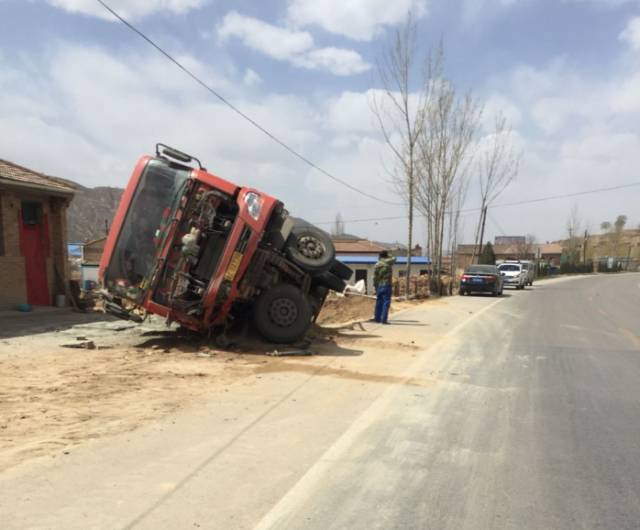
282 314
310 248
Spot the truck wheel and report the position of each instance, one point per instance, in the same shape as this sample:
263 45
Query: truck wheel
341 270
331 281
310 248
282 314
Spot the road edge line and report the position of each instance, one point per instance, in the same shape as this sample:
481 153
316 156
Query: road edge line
299 492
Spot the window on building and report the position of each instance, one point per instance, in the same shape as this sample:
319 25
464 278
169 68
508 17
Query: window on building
31 213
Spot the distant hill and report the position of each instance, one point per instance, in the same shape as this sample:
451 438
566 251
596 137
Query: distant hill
91 210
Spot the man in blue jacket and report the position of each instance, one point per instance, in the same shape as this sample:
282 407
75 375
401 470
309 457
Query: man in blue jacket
382 280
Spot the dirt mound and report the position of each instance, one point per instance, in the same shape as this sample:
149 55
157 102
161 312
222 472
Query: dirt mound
350 308
338 310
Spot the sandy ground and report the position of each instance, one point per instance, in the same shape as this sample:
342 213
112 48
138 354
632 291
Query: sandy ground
54 397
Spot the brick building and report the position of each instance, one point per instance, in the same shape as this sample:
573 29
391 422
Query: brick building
33 236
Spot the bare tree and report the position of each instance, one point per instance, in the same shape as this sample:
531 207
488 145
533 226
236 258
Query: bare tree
574 243
400 114
524 249
450 125
338 226
497 167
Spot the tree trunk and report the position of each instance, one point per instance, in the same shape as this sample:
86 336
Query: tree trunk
410 238
484 219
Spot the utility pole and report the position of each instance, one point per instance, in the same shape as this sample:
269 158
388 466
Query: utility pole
484 219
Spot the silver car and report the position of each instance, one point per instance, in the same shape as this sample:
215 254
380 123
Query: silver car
514 274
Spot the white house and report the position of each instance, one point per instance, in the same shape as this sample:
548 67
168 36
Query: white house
363 265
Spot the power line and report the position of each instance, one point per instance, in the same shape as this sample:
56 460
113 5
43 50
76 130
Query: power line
497 225
237 110
503 205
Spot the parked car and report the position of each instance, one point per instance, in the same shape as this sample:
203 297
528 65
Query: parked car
527 265
514 274
481 279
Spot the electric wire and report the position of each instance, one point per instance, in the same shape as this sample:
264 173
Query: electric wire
503 205
235 109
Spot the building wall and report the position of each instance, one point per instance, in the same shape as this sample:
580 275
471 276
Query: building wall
88 273
92 252
13 288
398 271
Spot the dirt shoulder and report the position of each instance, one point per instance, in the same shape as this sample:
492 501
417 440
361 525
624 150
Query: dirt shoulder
118 375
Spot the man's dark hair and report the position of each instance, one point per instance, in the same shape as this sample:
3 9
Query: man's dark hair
383 254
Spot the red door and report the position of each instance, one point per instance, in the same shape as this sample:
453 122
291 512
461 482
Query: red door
33 241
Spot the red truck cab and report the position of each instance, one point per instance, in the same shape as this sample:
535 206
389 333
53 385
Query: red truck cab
194 248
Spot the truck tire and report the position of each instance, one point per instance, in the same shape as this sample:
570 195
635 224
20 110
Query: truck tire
330 280
341 270
282 314
310 248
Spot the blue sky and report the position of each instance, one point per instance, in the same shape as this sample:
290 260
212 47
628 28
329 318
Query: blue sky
83 98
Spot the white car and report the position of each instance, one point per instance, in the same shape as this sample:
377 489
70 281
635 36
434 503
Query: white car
514 274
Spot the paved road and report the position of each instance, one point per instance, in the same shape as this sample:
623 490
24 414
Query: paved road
521 412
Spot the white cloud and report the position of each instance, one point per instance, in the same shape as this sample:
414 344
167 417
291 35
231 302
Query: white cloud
335 60
131 9
108 109
498 104
295 47
251 77
578 131
351 112
356 19
276 42
631 34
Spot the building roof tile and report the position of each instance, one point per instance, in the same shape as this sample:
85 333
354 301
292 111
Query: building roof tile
13 173
361 246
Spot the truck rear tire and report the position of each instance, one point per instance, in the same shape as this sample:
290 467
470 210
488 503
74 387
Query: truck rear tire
282 314
310 248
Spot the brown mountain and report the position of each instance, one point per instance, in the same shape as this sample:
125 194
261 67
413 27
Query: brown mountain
91 212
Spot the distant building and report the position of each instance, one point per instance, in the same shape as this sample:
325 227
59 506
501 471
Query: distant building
547 252
510 240
356 247
347 244
91 255
33 236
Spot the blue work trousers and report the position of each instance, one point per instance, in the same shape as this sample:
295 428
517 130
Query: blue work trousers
383 302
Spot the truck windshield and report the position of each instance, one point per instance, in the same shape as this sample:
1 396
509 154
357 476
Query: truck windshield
151 210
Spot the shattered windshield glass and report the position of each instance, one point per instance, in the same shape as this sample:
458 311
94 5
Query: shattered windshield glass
150 212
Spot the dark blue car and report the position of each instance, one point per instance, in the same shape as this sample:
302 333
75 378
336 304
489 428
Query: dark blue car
481 279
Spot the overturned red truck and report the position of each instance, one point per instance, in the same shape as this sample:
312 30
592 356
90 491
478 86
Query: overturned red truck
204 252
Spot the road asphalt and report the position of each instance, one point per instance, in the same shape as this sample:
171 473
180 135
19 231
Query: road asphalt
469 412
